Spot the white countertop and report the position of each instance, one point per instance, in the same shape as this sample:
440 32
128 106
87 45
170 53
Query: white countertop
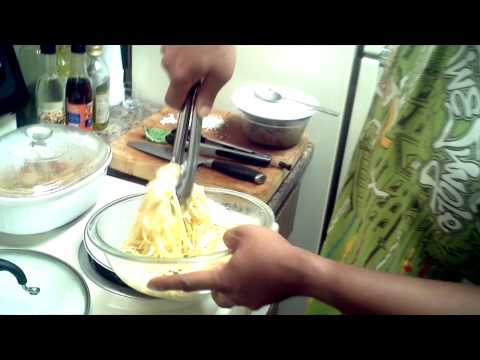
64 243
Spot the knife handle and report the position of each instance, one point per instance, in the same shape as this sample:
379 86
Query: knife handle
239 171
247 158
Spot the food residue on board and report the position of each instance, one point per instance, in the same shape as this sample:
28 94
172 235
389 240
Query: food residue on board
210 122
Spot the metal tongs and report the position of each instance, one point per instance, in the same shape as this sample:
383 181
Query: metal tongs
189 130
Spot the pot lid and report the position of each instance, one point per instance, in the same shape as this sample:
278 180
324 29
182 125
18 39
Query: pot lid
246 100
40 159
35 283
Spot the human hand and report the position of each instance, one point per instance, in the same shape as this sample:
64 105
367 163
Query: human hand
263 269
187 65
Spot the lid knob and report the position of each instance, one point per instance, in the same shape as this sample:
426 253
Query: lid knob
39 134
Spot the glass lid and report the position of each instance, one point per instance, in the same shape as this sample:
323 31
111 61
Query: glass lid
35 283
40 159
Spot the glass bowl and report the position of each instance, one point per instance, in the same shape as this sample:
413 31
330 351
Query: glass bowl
109 227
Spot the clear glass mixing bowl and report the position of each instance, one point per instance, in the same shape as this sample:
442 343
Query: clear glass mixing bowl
109 228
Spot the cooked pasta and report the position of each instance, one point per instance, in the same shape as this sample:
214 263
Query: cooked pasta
164 229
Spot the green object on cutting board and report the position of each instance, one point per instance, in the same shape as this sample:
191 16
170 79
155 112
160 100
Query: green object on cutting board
156 135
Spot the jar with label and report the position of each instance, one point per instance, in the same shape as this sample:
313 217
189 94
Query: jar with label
50 91
79 91
98 72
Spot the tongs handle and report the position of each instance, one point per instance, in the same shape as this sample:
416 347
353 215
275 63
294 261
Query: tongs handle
184 121
189 120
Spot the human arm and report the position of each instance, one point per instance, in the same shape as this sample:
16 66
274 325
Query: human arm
265 269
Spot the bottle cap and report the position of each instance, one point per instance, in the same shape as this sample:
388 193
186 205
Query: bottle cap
47 49
78 49
95 50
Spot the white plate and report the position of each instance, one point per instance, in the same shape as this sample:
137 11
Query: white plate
244 98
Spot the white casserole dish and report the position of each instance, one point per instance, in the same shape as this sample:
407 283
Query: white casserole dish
33 197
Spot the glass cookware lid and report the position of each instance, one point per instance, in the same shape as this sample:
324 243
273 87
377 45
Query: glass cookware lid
35 283
40 159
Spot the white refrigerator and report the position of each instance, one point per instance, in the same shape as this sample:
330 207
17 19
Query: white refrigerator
322 182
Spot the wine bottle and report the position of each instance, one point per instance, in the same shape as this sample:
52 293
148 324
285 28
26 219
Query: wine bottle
79 91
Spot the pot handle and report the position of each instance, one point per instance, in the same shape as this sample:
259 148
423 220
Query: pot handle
14 270
19 275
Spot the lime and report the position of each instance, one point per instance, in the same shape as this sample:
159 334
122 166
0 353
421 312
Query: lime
156 135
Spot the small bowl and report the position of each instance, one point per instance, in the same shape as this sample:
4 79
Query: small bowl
279 134
109 228
278 124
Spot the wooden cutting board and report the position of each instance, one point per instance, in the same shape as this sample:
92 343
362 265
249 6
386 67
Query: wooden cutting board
133 162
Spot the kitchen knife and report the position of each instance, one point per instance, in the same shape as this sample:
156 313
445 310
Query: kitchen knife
171 138
217 148
234 170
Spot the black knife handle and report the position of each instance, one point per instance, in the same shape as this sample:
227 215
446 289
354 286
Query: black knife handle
239 171
14 270
246 158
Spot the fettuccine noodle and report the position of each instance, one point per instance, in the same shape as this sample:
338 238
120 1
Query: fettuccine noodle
163 229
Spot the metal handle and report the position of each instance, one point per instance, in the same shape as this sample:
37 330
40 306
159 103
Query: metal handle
14 270
181 136
217 148
170 138
381 57
191 122
225 145
19 275
315 107
254 159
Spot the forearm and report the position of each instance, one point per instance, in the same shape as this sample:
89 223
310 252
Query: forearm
356 290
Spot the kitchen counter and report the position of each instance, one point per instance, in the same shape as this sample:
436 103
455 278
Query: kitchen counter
283 202
64 243
122 120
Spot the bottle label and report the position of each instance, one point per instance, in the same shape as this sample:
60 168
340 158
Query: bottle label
80 115
52 112
102 108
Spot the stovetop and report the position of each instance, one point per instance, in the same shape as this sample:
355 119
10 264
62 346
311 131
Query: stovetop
109 296
104 278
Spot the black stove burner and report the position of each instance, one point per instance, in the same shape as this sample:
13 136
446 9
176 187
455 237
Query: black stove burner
109 275
104 278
